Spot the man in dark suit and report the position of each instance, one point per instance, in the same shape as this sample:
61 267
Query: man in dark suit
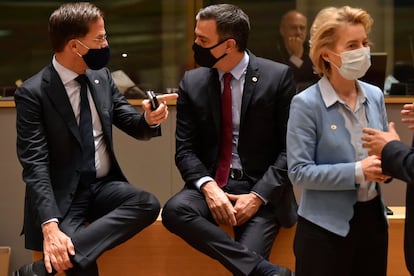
293 50
254 197
397 160
74 212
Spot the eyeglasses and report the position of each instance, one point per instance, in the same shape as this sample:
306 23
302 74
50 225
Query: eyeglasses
101 39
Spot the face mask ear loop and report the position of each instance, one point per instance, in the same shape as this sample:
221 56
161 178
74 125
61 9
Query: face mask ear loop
83 44
331 62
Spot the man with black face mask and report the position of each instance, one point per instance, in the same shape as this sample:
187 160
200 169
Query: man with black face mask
231 148
78 202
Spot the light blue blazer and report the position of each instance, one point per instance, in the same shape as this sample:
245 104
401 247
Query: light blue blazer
321 158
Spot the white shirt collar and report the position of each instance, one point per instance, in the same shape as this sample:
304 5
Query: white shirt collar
329 95
65 74
239 70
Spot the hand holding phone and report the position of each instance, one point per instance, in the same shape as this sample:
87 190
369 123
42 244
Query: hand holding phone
153 99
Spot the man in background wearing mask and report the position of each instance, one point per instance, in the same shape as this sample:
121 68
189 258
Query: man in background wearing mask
293 49
233 164
78 202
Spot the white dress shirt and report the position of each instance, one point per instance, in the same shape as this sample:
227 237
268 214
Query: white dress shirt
102 160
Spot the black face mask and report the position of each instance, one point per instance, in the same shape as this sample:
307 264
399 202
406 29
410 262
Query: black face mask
203 56
96 58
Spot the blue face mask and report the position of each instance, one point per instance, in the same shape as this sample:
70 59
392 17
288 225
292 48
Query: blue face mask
96 58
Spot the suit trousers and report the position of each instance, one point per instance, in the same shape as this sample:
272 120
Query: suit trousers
187 215
104 215
363 252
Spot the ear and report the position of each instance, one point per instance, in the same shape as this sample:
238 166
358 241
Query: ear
75 47
231 44
325 56
72 44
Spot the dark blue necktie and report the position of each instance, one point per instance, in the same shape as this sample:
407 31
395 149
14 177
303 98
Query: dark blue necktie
88 173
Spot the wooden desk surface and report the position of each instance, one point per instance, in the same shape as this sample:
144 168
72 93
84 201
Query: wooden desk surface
399 212
137 102
134 102
7 104
399 99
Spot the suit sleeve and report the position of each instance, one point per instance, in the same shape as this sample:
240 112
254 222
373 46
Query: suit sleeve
32 151
398 161
189 132
127 118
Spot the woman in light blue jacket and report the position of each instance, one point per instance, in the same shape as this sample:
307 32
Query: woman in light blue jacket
342 228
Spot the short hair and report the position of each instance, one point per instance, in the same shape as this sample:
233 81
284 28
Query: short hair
324 32
71 20
288 14
231 22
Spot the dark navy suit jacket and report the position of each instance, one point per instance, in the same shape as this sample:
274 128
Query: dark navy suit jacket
49 145
398 162
267 93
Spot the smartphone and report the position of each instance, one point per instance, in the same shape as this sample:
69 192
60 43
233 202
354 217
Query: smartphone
389 211
153 99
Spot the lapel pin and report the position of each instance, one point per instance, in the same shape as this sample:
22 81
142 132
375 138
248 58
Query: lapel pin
333 127
254 79
96 81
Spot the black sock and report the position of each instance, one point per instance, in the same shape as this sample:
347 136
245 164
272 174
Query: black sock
265 268
40 269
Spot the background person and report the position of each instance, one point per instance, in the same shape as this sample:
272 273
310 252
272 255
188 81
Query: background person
253 195
293 49
342 226
78 202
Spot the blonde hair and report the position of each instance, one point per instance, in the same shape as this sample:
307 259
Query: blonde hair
324 32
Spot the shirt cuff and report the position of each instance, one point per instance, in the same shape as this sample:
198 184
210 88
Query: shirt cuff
262 198
297 61
51 220
359 176
151 126
202 181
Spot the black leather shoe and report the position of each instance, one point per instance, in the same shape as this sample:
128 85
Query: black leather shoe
33 269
